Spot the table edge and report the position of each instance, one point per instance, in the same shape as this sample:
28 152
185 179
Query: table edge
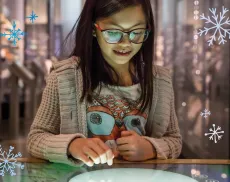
166 161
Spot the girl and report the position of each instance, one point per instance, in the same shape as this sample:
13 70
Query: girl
107 99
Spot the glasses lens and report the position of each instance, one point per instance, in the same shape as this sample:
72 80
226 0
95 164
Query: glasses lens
139 35
112 36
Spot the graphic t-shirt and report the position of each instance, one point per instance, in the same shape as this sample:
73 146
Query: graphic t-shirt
113 111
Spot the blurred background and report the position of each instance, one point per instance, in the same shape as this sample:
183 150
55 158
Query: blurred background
200 70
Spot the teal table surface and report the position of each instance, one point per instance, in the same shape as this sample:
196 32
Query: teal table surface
122 171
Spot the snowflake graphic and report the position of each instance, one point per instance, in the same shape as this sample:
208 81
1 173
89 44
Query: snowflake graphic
8 162
215 133
205 113
218 24
32 17
14 34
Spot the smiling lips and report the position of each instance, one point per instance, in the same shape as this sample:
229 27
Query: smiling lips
122 51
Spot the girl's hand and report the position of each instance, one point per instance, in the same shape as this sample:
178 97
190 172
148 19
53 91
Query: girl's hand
133 147
90 151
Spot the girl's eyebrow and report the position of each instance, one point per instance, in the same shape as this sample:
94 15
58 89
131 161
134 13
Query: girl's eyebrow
139 23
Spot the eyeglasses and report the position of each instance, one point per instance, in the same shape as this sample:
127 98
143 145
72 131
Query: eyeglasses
114 36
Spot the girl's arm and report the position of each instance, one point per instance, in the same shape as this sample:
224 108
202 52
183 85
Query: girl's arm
44 139
168 146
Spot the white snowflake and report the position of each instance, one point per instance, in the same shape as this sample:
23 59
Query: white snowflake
205 113
218 22
14 34
215 133
8 162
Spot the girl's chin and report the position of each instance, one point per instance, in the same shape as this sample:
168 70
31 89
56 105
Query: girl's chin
121 62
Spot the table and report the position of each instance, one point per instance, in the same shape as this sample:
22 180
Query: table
173 170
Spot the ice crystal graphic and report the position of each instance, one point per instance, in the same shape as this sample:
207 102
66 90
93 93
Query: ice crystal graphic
14 34
215 133
205 113
8 162
32 17
218 22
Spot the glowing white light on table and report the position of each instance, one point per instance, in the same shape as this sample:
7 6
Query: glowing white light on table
197 172
223 175
193 171
130 175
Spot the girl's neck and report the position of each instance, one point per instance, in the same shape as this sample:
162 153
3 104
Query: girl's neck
125 77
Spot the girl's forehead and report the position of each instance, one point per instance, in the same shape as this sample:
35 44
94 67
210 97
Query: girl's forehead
130 15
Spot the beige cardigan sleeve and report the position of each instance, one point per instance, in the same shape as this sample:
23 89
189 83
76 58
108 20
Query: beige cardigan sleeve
169 146
44 139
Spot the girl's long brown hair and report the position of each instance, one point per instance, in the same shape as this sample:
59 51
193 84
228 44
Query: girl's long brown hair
95 69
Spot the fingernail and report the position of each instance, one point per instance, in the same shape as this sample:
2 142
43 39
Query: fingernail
110 162
97 161
89 164
103 159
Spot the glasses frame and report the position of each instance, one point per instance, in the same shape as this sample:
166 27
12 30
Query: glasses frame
124 33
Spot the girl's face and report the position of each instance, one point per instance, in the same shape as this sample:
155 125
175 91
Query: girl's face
125 20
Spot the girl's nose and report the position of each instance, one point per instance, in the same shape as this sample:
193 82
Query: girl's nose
125 40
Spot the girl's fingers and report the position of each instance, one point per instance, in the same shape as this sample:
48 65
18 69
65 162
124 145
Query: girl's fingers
124 147
115 152
99 150
109 154
124 140
92 154
86 160
126 133
126 153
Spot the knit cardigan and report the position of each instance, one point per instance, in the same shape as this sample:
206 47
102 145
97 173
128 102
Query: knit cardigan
51 132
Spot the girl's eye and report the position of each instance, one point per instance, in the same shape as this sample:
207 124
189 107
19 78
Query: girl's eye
113 33
138 32
135 33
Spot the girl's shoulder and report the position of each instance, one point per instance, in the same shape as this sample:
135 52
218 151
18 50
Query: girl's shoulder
69 63
161 72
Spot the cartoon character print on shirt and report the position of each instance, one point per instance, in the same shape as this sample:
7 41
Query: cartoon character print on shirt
108 116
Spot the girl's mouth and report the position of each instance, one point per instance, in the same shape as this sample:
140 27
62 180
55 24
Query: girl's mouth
122 54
